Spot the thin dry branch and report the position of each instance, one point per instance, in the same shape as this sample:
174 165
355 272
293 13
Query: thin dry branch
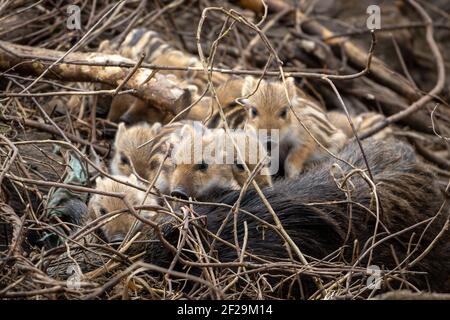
440 82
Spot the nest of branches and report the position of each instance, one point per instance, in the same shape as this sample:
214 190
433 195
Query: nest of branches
55 138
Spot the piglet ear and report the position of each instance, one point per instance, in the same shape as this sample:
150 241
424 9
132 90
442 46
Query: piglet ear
145 125
292 89
91 214
156 128
193 89
243 102
133 179
249 86
193 130
98 181
187 131
120 130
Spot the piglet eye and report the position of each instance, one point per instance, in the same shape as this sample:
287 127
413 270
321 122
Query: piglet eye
202 166
124 159
253 112
283 114
103 211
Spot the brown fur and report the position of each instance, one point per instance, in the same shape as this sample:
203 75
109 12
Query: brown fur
127 153
119 105
118 226
227 93
268 108
130 109
169 56
160 160
148 159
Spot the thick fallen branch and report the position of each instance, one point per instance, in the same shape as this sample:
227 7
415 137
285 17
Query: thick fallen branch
157 89
51 129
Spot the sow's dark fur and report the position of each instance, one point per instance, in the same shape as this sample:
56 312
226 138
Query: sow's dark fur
407 193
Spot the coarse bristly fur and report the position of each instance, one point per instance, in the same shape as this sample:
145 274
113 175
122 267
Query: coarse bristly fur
131 110
127 153
314 212
144 148
216 164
